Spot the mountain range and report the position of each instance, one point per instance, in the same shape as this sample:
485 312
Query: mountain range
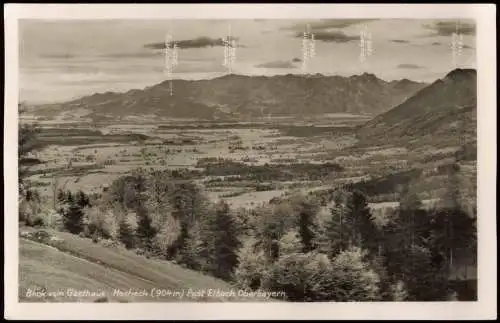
244 96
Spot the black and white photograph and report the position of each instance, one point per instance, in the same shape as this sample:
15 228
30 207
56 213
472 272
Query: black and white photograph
250 159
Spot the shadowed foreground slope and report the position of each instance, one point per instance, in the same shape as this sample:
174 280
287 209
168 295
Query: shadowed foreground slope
79 264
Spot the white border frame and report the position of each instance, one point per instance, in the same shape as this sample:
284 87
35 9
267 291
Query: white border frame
484 308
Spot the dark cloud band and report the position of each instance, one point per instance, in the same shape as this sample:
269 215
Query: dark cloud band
400 41
448 27
330 36
325 24
199 42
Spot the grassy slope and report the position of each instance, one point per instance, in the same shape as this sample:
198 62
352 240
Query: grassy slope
81 264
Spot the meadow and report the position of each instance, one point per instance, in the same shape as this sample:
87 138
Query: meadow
243 163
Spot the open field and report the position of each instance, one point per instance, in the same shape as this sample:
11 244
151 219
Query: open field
244 163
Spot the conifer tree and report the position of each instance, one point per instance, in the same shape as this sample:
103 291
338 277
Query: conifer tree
359 224
145 231
336 232
307 225
271 225
216 242
73 219
81 199
69 197
194 253
226 242
61 197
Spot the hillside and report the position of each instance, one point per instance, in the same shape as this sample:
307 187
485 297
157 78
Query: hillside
71 262
444 110
437 126
243 96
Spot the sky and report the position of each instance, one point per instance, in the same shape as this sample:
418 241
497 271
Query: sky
61 60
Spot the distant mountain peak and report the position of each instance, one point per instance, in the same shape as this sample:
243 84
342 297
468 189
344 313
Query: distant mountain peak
369 75
366 76
461 73
405 81
230 75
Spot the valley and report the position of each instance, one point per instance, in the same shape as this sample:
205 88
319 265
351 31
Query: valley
160 185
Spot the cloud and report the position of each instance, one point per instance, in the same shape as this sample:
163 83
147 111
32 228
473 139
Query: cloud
436 43
199 42
448 27
276 64
410 66
296 60
324 24
331 36
400 41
